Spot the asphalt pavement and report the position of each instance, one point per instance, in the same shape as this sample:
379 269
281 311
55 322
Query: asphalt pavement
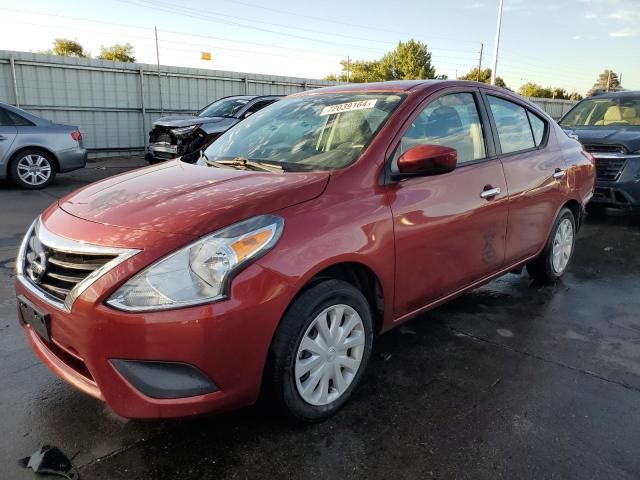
513 380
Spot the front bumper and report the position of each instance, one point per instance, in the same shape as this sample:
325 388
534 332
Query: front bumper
227 342
624 191
159 152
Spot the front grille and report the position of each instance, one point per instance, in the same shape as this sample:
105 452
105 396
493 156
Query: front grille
163 138
57 272
609 169
599 148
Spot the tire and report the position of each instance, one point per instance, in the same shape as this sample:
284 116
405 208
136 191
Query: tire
299 324
20 174
543 268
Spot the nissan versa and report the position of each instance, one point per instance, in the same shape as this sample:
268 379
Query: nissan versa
300 234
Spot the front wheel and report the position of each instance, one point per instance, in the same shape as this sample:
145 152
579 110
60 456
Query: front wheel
552 263
321 350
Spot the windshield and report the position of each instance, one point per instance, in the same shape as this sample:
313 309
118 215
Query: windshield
226 107
313 132
602 112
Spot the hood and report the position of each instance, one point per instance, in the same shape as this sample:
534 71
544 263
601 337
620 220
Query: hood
629 137
177 197
177 121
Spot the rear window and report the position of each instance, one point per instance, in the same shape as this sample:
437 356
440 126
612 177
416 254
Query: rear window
10 119
5 120
19 121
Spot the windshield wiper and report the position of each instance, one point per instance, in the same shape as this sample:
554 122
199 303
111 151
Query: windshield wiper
246 163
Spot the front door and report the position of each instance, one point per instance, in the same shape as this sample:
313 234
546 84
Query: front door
449 229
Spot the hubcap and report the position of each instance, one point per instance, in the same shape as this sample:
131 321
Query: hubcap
562 245
329 355
34 169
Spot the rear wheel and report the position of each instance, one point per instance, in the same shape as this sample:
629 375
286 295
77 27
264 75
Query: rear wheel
552 263
32 169
321 350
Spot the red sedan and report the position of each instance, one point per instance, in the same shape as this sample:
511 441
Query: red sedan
302 233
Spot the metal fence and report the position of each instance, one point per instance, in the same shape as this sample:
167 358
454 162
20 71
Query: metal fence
554 107
115 103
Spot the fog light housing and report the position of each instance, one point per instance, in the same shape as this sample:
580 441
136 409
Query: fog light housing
165 380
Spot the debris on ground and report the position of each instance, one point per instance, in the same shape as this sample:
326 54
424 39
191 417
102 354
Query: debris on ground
407 331
385 356
48 460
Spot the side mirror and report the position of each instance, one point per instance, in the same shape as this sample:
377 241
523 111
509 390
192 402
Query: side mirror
423 160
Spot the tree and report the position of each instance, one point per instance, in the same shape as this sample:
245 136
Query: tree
485 77
118 52
67 48
410 60
531 89
607 81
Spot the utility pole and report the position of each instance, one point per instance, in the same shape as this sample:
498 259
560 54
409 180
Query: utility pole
609 81
494 72
348 69
480 61
158 60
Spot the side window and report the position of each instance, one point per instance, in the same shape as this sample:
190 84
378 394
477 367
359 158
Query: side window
5 120
452 121
512 124
537 126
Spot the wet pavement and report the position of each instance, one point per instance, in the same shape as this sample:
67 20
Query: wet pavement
513 380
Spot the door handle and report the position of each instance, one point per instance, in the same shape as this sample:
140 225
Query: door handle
2 137
558 174
489 193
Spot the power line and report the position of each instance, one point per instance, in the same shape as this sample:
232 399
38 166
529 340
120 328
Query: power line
216 18
434 52
337 22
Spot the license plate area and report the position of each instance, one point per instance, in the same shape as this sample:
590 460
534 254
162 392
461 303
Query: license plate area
37 319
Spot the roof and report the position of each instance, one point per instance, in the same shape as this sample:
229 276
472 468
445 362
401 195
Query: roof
395 86
623 94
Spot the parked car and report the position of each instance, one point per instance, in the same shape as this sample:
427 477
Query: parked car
33 150
311 227
185 136
609 128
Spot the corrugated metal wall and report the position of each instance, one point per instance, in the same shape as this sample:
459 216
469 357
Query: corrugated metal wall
554 107
115 103
107 99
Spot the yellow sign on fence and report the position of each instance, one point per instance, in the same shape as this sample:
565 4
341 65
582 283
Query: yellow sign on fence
205 55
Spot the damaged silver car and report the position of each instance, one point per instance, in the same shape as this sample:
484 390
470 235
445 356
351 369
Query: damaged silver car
185 136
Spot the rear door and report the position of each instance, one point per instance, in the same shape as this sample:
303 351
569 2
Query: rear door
8 133
449 229
534 168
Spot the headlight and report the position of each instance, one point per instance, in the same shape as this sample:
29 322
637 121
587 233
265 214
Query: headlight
181 132
200 272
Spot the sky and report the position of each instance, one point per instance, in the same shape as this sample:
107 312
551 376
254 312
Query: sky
559 43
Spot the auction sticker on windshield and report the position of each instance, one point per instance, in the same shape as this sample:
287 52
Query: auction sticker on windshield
348 107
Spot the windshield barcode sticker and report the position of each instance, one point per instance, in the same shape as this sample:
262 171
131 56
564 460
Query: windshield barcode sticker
348 107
